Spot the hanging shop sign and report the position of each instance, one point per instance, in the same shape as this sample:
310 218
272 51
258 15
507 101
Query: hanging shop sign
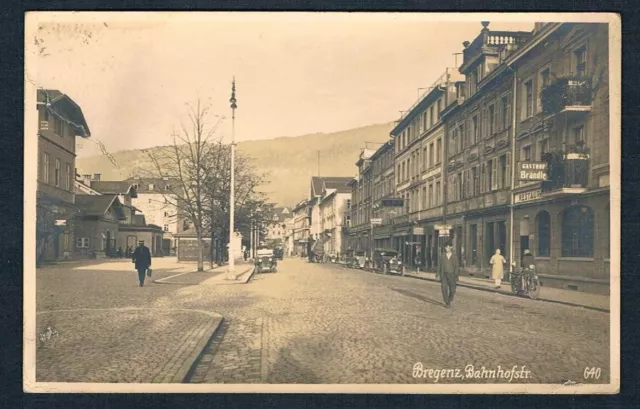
392 202
418 231
532 171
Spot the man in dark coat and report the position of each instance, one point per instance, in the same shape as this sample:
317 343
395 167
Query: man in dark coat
142 259
449 270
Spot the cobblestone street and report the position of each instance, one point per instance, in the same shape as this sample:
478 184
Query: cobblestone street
323 323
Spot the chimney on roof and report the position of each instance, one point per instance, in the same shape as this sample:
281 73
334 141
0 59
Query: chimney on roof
96 177
86 179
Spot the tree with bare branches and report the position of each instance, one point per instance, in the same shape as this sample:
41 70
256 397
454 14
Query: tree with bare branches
189 161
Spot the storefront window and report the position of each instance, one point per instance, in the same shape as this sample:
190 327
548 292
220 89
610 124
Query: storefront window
577 232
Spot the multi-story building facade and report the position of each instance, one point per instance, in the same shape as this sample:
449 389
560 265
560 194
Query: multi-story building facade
60 121
384 187
301 235
562 121
479 143
277 227
333 208
536 101
156 199
361 206
419 150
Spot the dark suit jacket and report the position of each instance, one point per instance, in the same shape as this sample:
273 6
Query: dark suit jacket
142 258
453 260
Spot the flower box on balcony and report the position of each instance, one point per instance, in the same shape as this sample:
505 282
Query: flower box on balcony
567 91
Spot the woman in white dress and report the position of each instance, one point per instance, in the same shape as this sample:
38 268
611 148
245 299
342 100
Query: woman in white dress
497 270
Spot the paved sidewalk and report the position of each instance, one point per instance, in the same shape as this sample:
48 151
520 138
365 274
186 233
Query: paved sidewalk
211 276
142 345
574 298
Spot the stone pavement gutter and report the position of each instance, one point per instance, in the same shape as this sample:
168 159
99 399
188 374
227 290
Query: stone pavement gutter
487 285
136 345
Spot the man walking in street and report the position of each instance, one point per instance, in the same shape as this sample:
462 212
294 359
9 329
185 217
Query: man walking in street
449 270
142 259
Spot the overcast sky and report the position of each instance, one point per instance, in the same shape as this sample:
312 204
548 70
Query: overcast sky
295 74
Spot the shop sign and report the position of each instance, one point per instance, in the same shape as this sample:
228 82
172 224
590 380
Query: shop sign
532 171
418 231
392 202
528 196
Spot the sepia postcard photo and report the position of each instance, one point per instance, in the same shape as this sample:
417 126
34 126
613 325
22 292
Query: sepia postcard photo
322 202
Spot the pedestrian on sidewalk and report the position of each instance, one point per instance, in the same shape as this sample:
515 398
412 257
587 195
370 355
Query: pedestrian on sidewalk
142 260
497 267
448 269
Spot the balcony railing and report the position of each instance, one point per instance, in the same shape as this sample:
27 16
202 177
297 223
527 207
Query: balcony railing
493 39
566 92
568 169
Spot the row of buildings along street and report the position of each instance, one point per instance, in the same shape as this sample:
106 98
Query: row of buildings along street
508 151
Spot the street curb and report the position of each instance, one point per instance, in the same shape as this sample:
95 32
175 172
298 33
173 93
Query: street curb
489 290
160 281
188 368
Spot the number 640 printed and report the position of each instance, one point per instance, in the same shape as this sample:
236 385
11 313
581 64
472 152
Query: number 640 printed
592 373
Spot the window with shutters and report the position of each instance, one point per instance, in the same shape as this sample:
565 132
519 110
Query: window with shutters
474 181
580 58
528 99
503 172
494 174
57 173
489 175
505 108
491 120
68 179
474 130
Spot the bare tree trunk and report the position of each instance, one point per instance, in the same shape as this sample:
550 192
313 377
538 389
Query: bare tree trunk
200 250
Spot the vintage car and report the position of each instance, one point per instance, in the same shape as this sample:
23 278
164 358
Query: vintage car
266 261
387 261
278 253
357 260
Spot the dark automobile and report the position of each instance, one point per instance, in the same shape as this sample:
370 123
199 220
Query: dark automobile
266 261
278 253
387 261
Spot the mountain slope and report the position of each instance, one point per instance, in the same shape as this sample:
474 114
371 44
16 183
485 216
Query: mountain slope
290 162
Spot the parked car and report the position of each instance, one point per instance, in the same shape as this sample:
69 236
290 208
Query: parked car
358 260
387 261
266 261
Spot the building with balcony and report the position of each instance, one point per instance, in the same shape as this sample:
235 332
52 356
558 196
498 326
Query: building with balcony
562 123
277 226
419 149
60 122
479 127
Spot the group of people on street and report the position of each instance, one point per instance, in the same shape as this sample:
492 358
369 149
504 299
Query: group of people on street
449 270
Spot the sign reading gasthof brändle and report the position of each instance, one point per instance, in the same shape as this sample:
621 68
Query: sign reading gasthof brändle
532 171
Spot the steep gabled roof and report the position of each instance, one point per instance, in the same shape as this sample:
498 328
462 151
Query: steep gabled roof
64 107
116 187
98 205
318 183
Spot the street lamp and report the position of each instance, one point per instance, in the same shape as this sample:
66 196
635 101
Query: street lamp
233 105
